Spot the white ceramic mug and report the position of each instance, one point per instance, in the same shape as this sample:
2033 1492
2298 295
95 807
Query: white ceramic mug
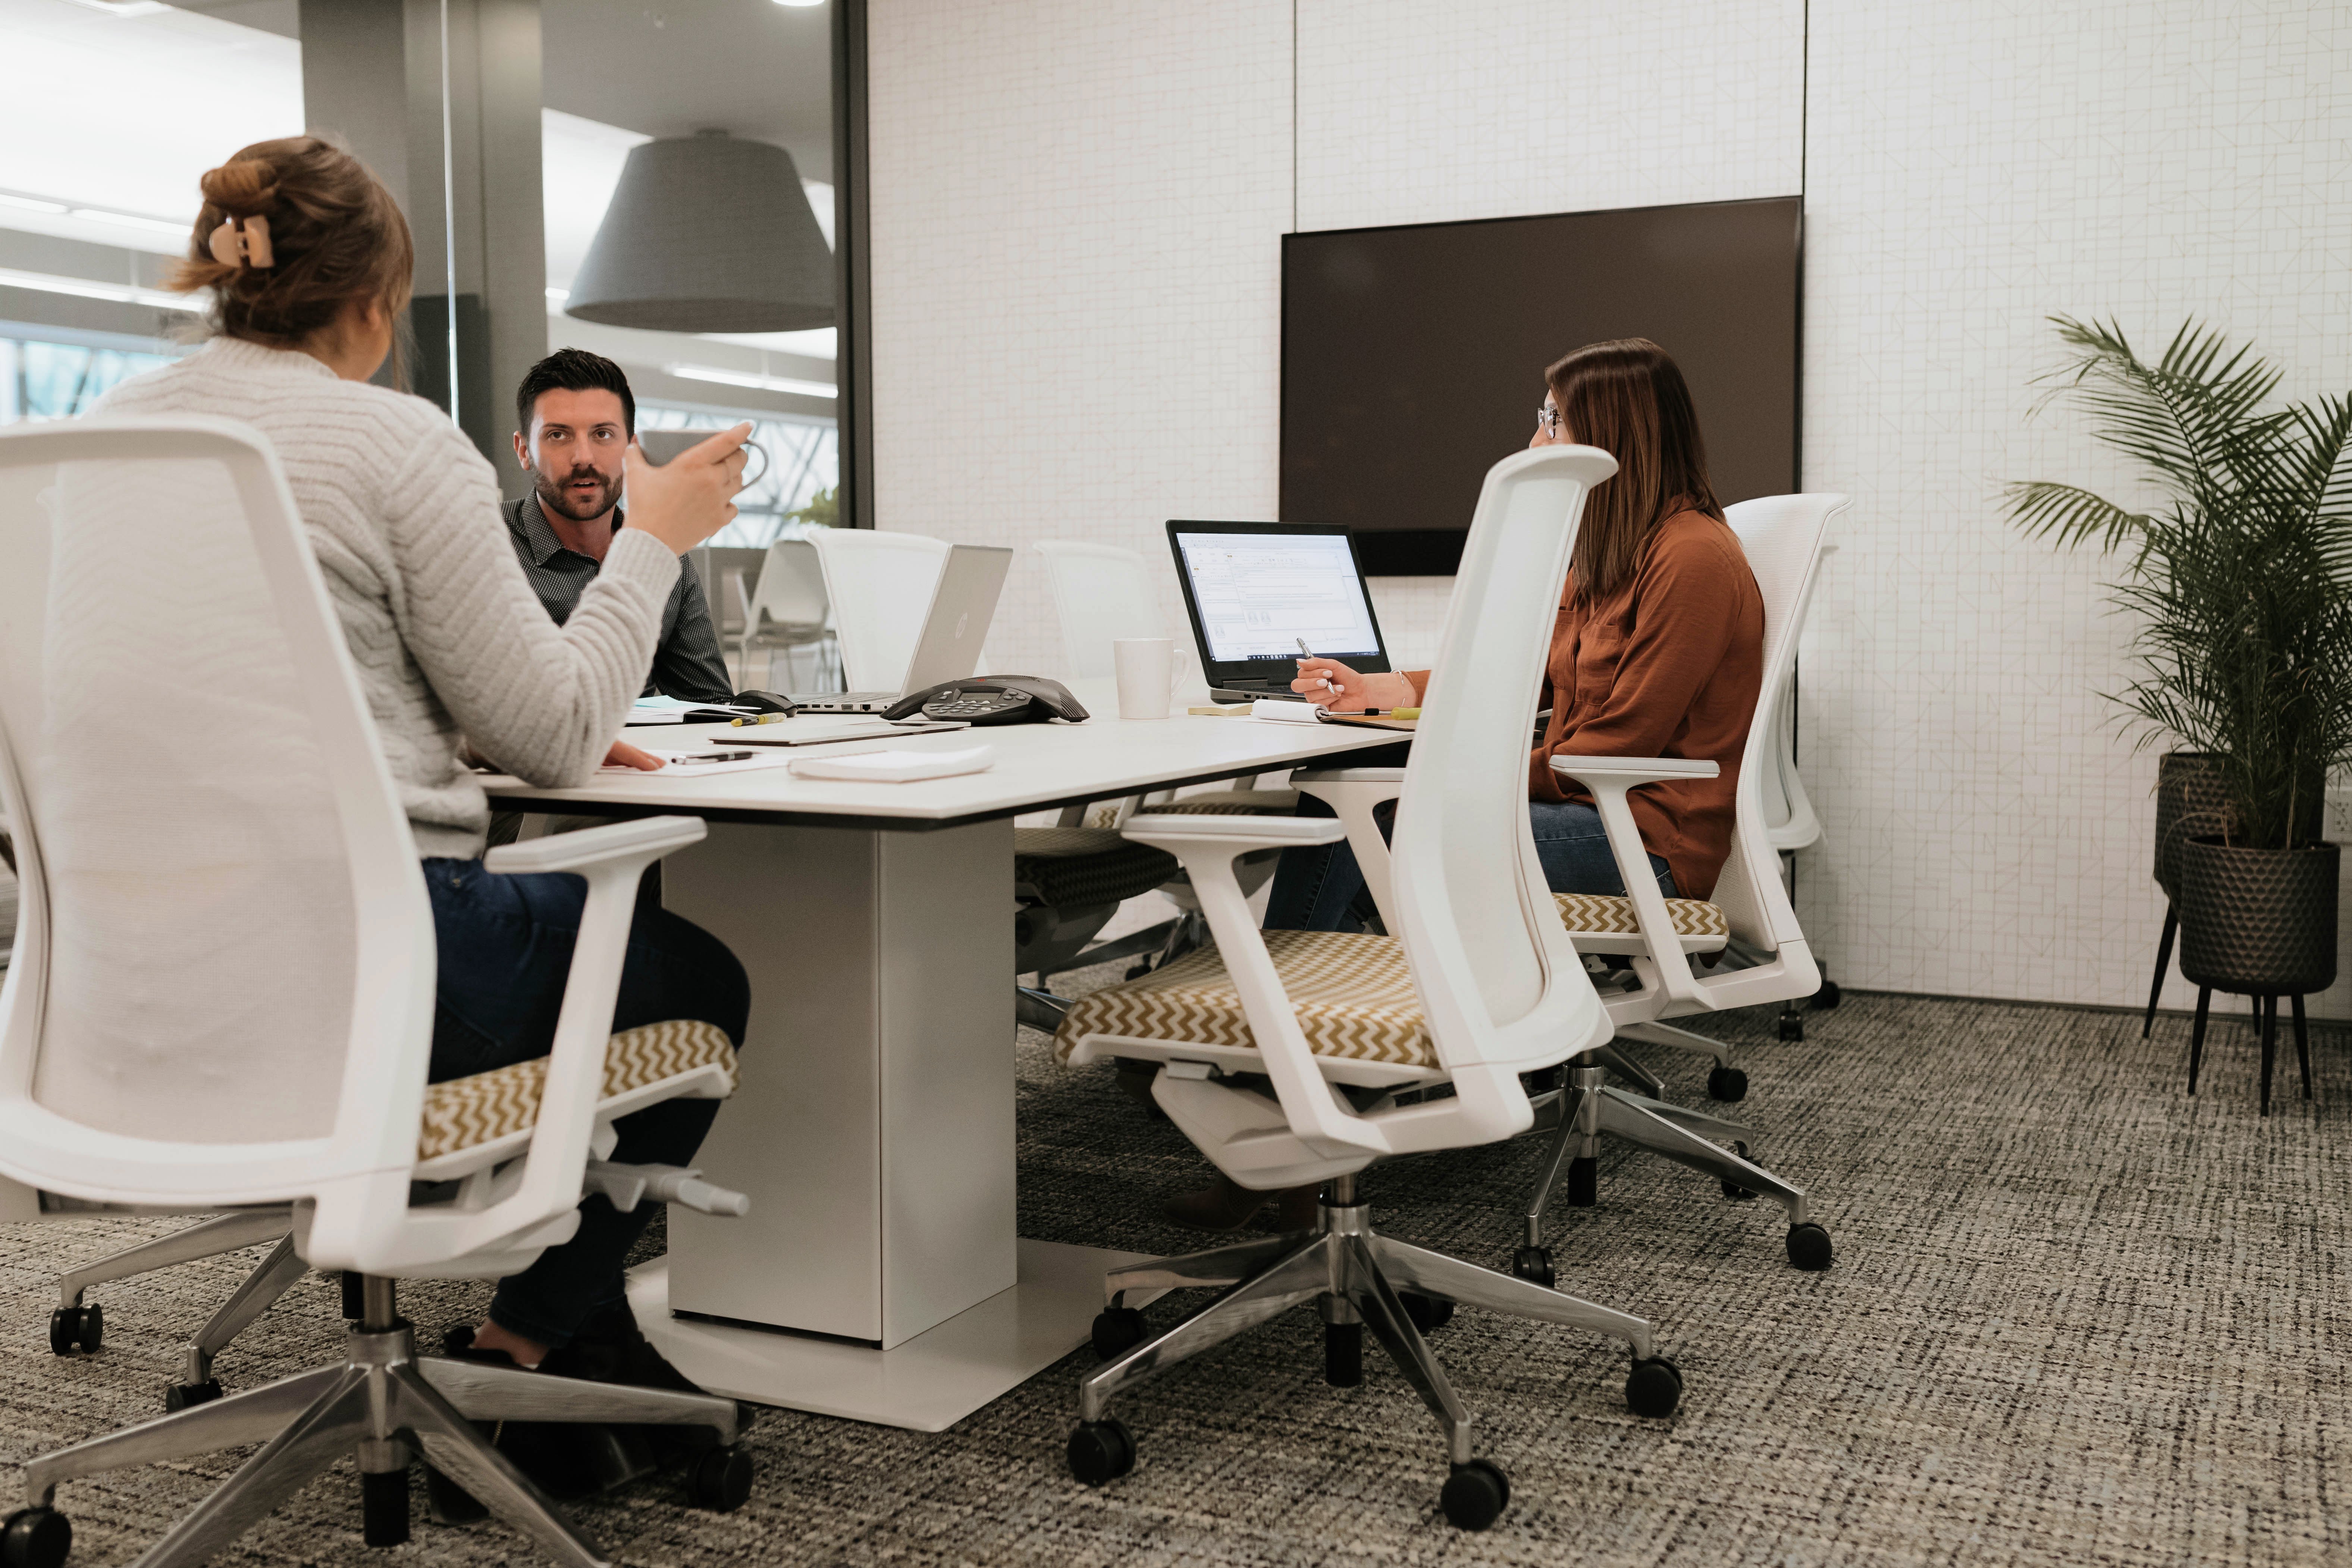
1147 668
666 446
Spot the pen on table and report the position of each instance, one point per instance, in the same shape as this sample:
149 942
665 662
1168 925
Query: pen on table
1306 652
760 719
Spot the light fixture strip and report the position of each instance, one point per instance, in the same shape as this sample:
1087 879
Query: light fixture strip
90 288
746 378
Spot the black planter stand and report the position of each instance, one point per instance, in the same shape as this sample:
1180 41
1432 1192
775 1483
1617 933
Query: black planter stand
2265 1025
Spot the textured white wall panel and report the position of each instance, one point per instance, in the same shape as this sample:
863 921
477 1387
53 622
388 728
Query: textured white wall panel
1436 111
1973 169
1078 211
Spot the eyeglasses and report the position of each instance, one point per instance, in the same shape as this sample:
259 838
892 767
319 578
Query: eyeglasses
1548 420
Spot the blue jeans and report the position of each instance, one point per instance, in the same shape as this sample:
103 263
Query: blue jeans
505 946
1321 887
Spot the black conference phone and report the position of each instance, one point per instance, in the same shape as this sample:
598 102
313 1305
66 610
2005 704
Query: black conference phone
991 700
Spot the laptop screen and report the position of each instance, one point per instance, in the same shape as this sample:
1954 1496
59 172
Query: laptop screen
1257 590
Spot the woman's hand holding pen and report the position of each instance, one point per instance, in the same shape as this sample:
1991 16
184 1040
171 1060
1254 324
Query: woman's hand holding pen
1327 683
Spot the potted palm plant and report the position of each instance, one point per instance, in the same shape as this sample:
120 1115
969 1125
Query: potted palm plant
2240 578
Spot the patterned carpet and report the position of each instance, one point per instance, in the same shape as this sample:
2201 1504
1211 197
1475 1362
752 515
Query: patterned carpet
2076 1318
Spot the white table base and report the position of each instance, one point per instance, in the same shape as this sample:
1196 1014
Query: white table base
928 1384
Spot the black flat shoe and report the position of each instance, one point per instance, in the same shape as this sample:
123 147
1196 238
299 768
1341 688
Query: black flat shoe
568 1460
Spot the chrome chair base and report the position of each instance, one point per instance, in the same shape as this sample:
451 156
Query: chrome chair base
1585 1107
383 1403
1357 1280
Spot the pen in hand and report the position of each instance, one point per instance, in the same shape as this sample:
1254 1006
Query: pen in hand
1306 652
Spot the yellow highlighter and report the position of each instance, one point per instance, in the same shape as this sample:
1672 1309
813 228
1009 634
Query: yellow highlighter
760 719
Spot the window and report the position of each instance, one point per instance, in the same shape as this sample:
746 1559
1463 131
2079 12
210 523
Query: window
40 379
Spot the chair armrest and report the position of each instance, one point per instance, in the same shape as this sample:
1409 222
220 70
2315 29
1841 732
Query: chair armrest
1611 779
1243 834
1355 794
1207 847
1350 775
1633 770
613 858
652 836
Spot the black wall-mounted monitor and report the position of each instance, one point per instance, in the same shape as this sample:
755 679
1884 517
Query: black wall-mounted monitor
1412 358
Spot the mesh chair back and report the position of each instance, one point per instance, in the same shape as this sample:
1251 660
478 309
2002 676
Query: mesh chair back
792 587
220 943
1102 593
1497 976
880 586
1783 537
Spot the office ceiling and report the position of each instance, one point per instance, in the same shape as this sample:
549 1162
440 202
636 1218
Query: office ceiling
670 68
751 68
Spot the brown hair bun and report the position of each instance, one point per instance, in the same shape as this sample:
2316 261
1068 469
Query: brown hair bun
336 239
241 187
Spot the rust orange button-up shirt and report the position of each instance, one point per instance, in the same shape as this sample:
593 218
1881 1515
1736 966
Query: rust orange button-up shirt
1668 665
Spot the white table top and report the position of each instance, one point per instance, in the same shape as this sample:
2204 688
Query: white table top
1038 766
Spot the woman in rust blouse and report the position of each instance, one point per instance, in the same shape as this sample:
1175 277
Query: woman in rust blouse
1658 650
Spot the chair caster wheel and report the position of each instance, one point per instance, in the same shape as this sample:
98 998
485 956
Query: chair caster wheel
1139 971
1475 1495
1533 1264
1583 1183
1809 1247
77 1328
1792 1026
1101 1451
34 1538
1654 1388
186 1395
446 1502
1728 1083
1732 1189
1828 996
384 1507
721 1480
1118 1329
1428 1313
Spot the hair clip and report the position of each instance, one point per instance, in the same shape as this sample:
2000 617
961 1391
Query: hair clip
243 244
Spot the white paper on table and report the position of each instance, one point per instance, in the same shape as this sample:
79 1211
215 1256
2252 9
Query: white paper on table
897 767
685 764
1284 711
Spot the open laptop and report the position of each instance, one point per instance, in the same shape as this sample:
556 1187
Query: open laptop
1257 590
947 649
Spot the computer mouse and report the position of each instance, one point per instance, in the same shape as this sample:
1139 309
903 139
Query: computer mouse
765 702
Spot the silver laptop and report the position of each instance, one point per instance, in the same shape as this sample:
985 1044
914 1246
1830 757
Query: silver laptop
962 604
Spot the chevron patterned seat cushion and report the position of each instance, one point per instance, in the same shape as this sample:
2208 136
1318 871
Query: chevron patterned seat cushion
1353 995
1605 915
1230 803
1060 866
466 1112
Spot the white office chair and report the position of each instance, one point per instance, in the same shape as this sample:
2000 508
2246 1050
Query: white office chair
1102 593
1789 808
879 585
1783 537
1479 984
222 992
787 610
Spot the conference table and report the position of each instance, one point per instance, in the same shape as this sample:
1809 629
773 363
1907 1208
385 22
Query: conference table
878 1275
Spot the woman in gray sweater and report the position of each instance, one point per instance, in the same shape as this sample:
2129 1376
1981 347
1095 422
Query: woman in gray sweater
310 261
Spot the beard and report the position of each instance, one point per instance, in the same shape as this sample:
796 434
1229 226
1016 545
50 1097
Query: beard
556 495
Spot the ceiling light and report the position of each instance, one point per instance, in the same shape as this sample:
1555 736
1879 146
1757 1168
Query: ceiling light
132 220
90 288
124 7
557 295
800 4
707 234
32 204
747 378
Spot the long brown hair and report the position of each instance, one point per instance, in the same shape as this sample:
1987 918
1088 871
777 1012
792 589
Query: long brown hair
335 235
1627 397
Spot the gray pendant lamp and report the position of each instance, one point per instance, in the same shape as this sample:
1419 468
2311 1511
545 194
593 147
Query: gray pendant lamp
707 234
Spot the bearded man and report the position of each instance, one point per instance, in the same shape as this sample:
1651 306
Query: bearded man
577 418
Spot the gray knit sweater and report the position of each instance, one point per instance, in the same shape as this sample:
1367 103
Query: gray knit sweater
450 640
